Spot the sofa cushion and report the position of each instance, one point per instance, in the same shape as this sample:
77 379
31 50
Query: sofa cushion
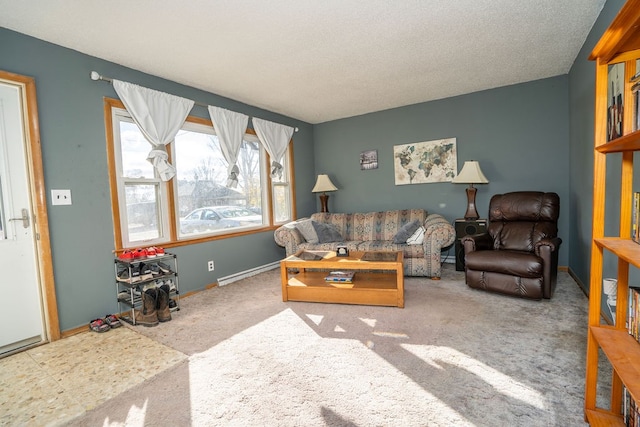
409 251
385 225
308 231
406 231
327 232
371 225
342 221
330 246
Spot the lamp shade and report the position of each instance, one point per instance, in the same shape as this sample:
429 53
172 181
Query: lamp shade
323 184
470 174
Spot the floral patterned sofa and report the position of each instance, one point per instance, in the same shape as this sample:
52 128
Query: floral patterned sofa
379 231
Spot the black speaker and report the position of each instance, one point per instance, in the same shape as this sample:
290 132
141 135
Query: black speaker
464 227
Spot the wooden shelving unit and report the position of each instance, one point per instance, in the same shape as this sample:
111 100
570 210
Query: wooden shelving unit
619 44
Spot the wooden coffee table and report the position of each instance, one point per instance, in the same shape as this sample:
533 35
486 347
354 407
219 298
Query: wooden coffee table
378 280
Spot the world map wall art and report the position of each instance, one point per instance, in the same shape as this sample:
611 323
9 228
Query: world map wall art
425 162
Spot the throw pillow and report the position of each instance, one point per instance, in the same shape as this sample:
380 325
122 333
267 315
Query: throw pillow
327 232
406 231
417 238
305 227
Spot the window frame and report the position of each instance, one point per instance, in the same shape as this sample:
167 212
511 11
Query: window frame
167 200
122 183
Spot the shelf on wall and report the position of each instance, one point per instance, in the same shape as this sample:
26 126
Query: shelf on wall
626 249
629 142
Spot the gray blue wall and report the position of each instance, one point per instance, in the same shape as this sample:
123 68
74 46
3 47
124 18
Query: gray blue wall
519 134
581 107
533 136
72 130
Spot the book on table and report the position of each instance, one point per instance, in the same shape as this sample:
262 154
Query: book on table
340 277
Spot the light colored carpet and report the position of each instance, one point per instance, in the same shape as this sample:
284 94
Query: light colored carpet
452 357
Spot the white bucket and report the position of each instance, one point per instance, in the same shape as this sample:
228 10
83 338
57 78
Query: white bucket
611 290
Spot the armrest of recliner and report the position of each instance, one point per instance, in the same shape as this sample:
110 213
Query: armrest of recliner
547 249
547 246
477 242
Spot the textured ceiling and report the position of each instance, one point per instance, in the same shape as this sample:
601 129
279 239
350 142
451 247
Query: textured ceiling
321 60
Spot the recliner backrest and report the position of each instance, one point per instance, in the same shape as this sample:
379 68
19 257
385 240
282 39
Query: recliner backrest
518 220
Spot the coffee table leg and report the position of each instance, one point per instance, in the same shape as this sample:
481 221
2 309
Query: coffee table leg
284 278
400 285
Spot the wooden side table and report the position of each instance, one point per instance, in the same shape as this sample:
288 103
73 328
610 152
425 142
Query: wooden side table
463 228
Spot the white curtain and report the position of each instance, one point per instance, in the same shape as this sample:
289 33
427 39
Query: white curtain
275 138
159 116
230 128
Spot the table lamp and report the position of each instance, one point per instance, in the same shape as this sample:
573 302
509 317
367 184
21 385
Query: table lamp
471 174
323 184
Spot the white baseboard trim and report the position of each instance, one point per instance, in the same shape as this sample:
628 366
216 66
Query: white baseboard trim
223 281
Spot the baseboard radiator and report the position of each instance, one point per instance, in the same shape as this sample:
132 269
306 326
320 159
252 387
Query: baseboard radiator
223 281
449 259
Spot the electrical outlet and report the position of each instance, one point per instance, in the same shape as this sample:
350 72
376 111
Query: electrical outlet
60 197
210 265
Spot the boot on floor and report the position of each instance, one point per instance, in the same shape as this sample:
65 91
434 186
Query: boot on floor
148 316
162 304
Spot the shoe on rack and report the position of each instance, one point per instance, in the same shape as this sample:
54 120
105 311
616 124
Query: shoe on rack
162 304
112 321
173 305
123 274
145 271
140 253
135 272
155 270
147 286
151 252
171 284
164 268
159 251
99 325
148 315
126 255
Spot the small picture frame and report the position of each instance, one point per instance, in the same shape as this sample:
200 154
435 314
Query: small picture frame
342 251
369 160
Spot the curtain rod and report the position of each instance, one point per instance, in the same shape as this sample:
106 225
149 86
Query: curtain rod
97 76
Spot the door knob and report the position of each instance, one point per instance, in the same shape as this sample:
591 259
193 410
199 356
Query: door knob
24 219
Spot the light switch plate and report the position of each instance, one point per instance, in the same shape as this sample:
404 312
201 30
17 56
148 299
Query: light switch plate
60 197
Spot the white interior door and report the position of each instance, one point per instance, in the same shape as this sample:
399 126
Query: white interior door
21 314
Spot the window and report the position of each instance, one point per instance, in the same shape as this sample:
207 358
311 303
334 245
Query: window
196 203
201 183
142 196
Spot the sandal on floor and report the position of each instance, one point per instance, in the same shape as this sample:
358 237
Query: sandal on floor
112 321
99 325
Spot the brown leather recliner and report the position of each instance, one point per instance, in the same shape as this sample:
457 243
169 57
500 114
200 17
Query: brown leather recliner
518 255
